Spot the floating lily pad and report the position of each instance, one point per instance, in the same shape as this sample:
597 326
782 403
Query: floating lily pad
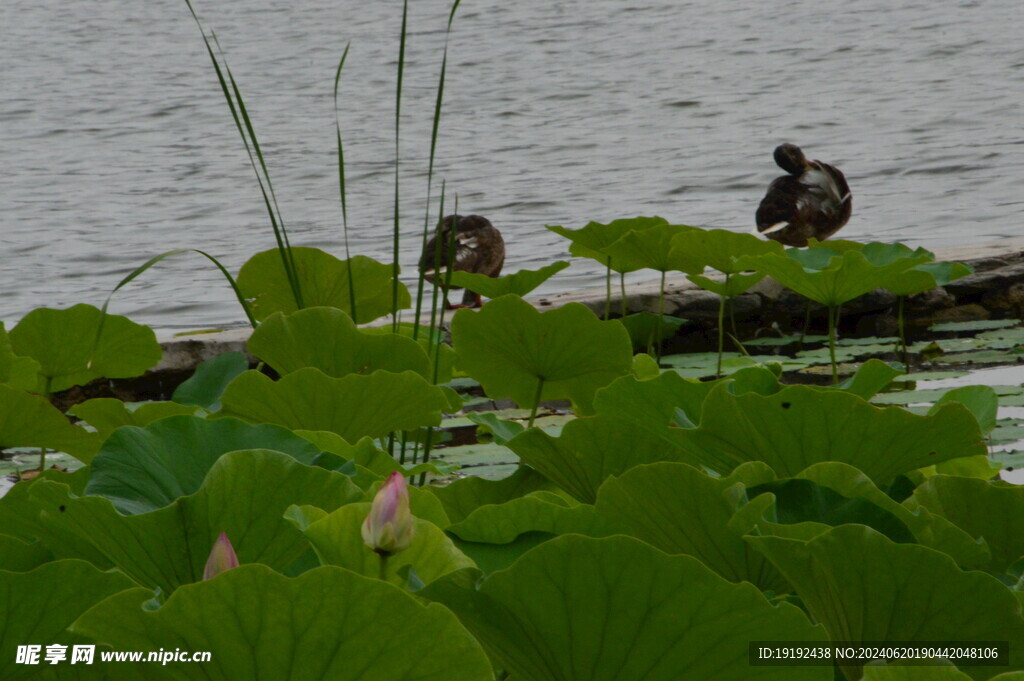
582 609
324 624
324 281
980 325
511 348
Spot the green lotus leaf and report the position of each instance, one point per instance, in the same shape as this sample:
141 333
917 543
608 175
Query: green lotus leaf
31 421
645 329
207 384
654 403
986 510
800 426
36 607
591 449
651 248
245 495
846 277
920 595
583 609
461 497
327 623
732 286
490 425
143 469
871 378
76 345
520 284
21 373
928 529
18 555
338 541
681 510
324 282
720 249
927 276
327 338
436 347
107 414
534 512
354 406
938 672
511 348
980 400
592 240
365 455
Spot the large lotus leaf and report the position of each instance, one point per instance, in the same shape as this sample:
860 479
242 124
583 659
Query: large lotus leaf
871 378
107 414
354 406
863 587
846 277
800 426
461 497
31 421
980 400
365 456
986 510
927 276
590 450
509 346
21 373
653 403
679 509
519 284
437 349
245 495
652 248
324 282
143 469
928 529
327 623
583 609
338 541
938 672
205 386
17 555
72 349
647 328
327 338
535 512
592 240
36 607
720 248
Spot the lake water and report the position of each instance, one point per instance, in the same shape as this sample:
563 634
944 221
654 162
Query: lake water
116 144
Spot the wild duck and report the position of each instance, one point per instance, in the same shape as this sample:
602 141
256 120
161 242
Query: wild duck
813 200
478 247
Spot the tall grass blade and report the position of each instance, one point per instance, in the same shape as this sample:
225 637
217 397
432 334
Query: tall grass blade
430 166
236 104
398 119
341 183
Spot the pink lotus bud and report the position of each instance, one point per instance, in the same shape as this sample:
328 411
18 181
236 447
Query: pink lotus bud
389 527
222 557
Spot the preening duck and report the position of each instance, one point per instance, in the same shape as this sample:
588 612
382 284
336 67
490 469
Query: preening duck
478 247
813 200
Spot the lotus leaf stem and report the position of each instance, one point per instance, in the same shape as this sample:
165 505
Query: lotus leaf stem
903 335
721 334
833 320
608 290
536 401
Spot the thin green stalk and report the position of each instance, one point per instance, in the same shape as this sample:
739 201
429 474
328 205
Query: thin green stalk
430 166
833 315
536 401
661 313
398 117
608 290
622 292
341 186
46 396
721 334
383 571
807 325
903 337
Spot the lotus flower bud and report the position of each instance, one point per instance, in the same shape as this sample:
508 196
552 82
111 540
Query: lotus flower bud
222 557
389 527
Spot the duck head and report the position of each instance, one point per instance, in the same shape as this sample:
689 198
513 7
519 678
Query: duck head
790 158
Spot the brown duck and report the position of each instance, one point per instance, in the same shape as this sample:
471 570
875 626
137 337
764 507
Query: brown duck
478 247
813 200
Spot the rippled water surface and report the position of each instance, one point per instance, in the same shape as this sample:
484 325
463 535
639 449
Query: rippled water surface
116 144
